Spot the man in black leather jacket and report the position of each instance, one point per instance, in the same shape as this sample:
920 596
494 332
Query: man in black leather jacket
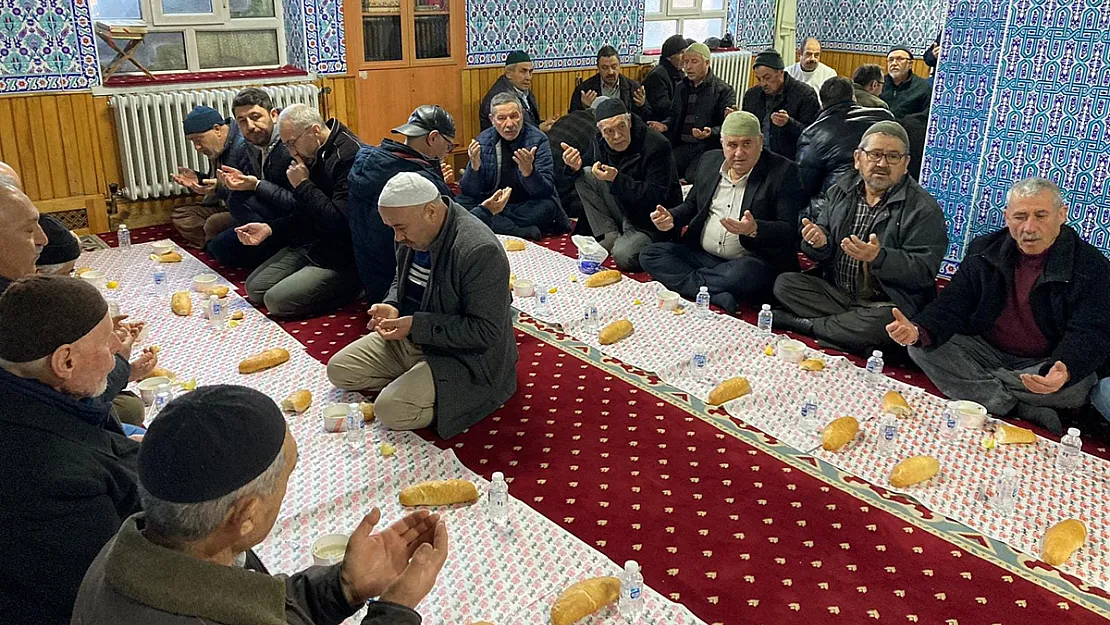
827 147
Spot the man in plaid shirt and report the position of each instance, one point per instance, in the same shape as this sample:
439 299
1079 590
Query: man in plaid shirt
877 238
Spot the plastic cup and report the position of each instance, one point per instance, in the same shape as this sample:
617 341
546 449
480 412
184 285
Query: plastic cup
329 549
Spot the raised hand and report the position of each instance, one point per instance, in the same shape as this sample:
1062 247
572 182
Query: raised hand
702 133
474 151
448 173
253 233
375 560
497 202
780 118
860 250
902 331
588 98
639 96
657 126
380 312
571 157
662 218
525 159
236 180
745 226
297 172
1048 383
604 172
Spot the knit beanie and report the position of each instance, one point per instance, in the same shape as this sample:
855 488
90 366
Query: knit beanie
891 128
903 49
769 58
741 124
700 49
611 107
39 314
61 246
517 56
673 45
202 119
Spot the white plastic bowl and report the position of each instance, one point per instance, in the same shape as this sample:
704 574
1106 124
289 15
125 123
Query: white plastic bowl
204 281
329 549
791 350
162 247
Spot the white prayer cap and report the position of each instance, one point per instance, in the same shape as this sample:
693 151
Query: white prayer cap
408 189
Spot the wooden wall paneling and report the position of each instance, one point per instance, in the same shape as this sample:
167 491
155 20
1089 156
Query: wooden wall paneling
83 150
52 158
71 156
436 84
25 147
385 98
9 152
845 63
105 122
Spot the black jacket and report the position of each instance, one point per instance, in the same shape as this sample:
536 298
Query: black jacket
238 153
274 197
798 99
576 129
772 195
827 147
1070 300
659 85
714 96
70 479
627 87
646 176
912 96
911 231
320 218
502 85
375 252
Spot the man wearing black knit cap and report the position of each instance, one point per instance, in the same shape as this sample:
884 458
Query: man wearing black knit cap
905 92
633 171
213 471
69 472
660 82
783 105
62 249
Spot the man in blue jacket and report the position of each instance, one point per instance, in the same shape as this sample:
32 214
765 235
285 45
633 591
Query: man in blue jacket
509 182
429 137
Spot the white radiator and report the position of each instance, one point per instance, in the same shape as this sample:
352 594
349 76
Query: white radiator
735 68
152 145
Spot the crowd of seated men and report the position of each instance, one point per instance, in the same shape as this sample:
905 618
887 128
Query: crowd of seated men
117 523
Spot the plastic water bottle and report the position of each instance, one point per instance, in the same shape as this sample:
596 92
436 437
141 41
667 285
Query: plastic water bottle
355 438
113 306
949 421
162 396
542 309
699 362
701 304
875 368
124 237
631 603
589 317
1070 452
498 500
765 320
809 421
216 313
160 280
888 434
1006 492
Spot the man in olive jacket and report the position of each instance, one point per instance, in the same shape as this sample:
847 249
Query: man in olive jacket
444 330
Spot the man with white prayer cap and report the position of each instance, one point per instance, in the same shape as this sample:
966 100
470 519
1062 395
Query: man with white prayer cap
445 327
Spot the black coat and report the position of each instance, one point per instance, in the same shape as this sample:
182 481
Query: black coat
798 99
827 147
714 96
70 479
502 85
320 218
1070 300
772 195
659 85
647 176
576 129
912 96
627 88
274 197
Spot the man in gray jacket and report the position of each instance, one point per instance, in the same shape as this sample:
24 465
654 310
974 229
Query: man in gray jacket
445 328
877 238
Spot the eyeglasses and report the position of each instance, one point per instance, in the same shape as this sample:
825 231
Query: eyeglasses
876 156
451 145
897 59
289 144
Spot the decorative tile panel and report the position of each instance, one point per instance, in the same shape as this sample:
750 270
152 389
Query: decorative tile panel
752 23
296 51
558 34
324 37
46 45
870 25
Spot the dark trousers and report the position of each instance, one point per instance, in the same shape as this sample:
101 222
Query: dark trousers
838 318
528 219
968 367
687 156
684 269
226 249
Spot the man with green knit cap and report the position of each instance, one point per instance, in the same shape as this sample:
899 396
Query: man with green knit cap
697 110
517 81
742 215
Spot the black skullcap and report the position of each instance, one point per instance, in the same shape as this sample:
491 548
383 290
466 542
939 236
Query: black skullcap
903 49
673 45
610 107
39 314
769 58
517 56
61 246
209 443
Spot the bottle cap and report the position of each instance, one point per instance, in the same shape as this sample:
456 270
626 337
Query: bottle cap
352 406
877 354
1009 472
498 476
630 566
766 307
1073 431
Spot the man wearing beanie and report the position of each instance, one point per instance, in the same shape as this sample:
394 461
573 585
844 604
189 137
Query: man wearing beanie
62 249
783 105
441 349
219 140
905 92
877 238
697 110
516 81
632 172
69 471
742 215
574 128
213 471
660 82
610 82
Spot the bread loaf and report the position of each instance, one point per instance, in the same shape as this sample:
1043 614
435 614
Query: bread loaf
1012 435
298 401
1062 540
839 433
439 493
812 364
181 304
168 257
584 598
615 331
219 291
729 390
159 372
895 404
515 245
604 278
266 360
914 471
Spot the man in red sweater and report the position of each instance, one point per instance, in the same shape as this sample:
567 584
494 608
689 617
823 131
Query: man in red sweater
1025 323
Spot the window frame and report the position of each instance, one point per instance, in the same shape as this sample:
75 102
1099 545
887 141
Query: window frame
681 15
190 24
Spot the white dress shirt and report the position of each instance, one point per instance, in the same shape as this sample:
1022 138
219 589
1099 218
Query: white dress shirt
728 201
814 79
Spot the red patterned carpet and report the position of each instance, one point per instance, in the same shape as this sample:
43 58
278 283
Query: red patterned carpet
733 525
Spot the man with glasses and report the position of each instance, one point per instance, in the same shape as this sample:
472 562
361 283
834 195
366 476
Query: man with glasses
905 92
632 172
315 272
877 239
429 137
